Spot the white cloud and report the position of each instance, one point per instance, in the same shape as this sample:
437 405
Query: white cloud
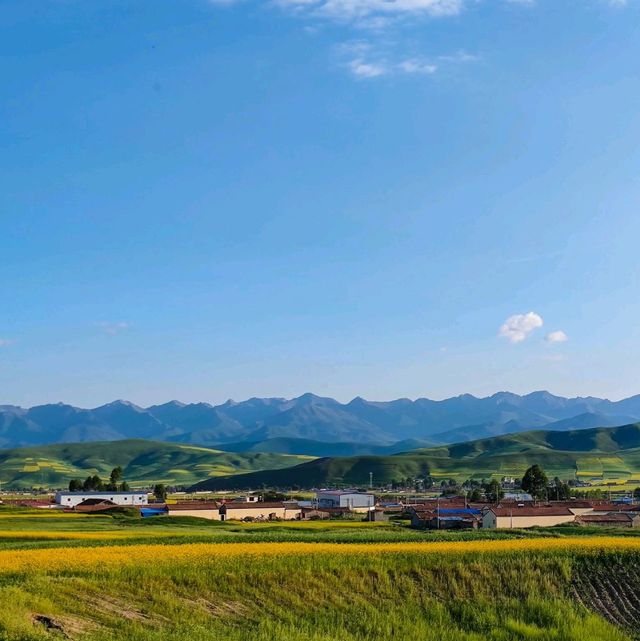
4 342
359 67
354 10
386 22
556 337
417 66
517 327
459 56
369 69
113 328
365 58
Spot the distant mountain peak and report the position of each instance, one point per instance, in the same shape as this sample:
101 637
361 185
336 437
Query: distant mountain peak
309 416
120 403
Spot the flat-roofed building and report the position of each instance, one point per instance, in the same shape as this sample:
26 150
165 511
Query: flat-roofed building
71 499
345 499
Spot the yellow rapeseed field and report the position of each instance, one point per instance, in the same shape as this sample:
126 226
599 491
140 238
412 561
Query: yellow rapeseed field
48 514
104 557
52 535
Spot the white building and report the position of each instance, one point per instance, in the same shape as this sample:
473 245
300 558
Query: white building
71 499
345 499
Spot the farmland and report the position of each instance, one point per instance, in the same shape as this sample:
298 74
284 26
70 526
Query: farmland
122 578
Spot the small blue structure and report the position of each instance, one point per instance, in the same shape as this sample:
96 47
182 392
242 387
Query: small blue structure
146 512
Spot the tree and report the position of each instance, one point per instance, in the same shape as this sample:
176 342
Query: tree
160 492
93 484
535 482
114 480
560 490
116 475
494 491
75 485
476 495
636 493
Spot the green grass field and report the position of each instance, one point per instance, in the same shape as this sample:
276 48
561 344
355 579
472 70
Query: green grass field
108 578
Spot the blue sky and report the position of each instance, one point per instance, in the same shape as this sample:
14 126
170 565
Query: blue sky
202 200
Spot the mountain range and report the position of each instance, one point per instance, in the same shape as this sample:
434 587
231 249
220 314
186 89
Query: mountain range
313 418
601 454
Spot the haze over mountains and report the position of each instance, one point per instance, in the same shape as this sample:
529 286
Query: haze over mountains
305 425
602 454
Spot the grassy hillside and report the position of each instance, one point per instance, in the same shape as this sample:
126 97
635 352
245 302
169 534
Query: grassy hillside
144 462
601 453
285 445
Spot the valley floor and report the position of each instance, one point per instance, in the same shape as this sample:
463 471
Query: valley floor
108 578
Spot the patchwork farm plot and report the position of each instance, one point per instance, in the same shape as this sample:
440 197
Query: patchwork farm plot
109 578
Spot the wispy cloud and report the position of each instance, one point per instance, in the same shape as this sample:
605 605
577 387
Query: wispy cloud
111 329
519 326
356 10
556 337
371 59
386 23
5 342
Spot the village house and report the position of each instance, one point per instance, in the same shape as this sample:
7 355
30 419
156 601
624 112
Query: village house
526 516
200 509
311 514
94 505
445 518
260 511
614 519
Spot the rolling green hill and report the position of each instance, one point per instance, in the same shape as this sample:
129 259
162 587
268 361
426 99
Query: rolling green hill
600 453
144 463
285 445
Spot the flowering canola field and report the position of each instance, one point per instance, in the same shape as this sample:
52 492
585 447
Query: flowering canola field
105 557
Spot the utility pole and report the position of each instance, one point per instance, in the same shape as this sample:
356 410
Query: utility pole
370 480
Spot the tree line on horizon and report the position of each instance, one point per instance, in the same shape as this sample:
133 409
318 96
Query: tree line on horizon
93 483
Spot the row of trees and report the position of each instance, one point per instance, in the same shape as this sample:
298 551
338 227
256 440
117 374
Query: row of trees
93 483
116 483
534 482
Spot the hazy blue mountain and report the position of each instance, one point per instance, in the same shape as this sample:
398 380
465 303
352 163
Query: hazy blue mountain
254 410
484 430
322 419
313 418
130 420
588 420
197 423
